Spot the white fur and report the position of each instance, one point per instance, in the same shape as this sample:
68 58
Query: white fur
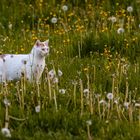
30 65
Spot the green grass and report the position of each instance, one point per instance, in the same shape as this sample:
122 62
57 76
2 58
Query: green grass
95 60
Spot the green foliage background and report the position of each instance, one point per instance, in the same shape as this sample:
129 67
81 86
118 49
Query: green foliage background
95 60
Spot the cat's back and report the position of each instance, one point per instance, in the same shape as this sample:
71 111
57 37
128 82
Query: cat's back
13 59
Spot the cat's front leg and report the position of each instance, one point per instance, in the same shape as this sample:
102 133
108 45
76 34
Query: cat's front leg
2 77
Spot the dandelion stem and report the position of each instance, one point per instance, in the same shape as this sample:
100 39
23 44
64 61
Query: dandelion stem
55 101
126 92
82 99
79 50
6 117
99 109
130 114
118 111
38 94
22 93
17 119
108 111
88 133
49 85
94 68
74 95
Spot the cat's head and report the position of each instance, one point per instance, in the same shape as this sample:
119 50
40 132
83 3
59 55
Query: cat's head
42 48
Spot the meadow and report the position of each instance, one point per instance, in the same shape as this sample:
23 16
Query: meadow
89 89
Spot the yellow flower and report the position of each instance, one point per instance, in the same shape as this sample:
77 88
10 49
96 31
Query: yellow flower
86 69
22 49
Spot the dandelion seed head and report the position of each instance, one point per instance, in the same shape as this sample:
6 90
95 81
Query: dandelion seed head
37 109
110 96
130 9
54 20
51 74
6 132
89 122
60 73
86 91
62 91
126 104
113 19
55 80
6 102
65 8
120 30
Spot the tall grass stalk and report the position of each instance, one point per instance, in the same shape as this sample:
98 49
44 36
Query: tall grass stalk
82 98
49 85
22 94
126 92
6 116
38 94
88 87
89 133
130 113
99 107
55 100
74 94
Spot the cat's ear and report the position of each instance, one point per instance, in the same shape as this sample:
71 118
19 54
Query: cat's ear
37 43
47 42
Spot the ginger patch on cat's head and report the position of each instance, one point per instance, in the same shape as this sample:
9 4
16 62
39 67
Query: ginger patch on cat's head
42 44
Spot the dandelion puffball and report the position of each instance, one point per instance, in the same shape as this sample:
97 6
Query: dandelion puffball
37 109
130 9
65 8
120 30
113 19
62 91
6 132
54 20
110 96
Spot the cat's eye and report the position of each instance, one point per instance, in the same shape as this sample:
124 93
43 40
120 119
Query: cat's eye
43 49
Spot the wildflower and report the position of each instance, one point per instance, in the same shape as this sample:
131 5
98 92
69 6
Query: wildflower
110 96
139 25
10 26
86 91
137 104
55 80
113 19
120 30
60 73
102 102
51 74
6 132
37 109
6 102
130 9
62 91
116 101
97 95
89 122
54 20
107 121
126 105
65 8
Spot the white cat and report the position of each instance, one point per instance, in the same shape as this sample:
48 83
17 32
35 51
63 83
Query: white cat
31 65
